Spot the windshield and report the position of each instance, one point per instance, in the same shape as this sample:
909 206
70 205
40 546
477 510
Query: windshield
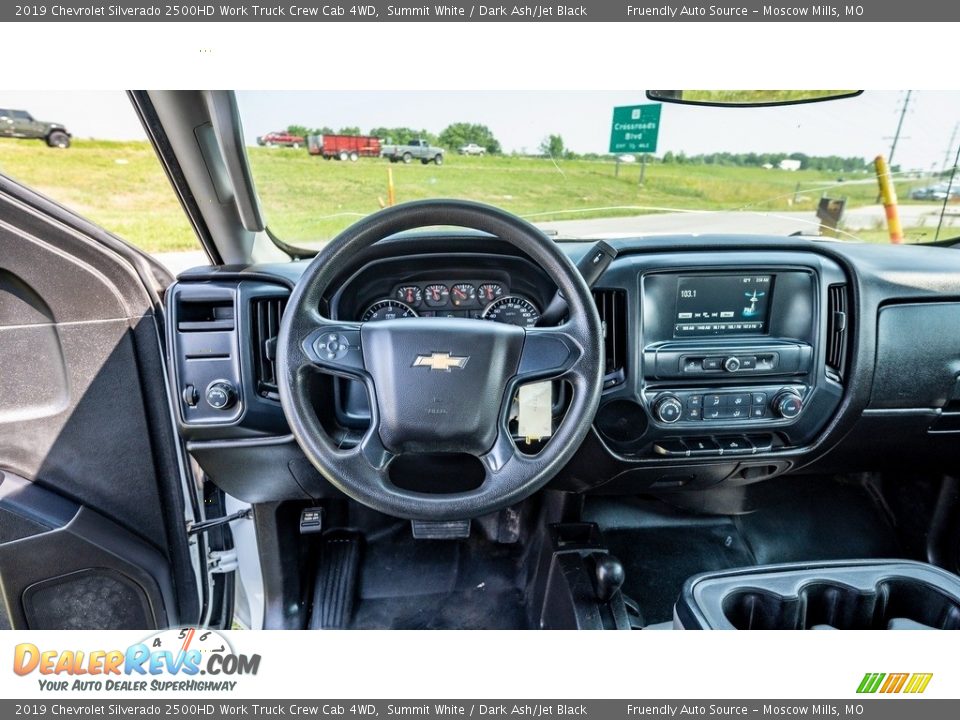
585 165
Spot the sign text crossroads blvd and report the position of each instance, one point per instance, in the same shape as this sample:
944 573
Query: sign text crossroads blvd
635 129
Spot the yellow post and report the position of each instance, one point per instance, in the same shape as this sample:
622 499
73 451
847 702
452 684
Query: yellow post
888 195
391 197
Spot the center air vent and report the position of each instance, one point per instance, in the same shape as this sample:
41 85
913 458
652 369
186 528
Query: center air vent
837 331
265 315
612 306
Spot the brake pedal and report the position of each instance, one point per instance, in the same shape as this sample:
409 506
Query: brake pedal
440 530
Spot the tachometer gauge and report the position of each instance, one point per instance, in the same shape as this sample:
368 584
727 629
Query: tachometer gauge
411 295
387 310
436 295
514 310
490 291
463 294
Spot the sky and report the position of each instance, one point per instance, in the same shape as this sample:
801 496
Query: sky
860 126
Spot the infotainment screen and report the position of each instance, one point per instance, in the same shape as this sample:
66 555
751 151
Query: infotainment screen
722 305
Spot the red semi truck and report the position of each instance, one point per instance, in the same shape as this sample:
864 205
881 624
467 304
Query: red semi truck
344 147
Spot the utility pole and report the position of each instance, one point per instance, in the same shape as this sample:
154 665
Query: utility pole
896 135
949 150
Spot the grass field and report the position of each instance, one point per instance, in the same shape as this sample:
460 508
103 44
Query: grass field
121 186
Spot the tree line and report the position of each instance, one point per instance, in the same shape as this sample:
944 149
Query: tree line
459 134
828 163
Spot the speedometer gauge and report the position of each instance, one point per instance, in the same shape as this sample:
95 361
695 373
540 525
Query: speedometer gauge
514 310
387 310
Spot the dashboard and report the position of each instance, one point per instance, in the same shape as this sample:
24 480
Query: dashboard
729 359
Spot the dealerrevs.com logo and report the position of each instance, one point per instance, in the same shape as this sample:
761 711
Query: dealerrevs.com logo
170 660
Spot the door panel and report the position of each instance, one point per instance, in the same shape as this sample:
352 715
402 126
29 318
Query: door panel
77 569
86 436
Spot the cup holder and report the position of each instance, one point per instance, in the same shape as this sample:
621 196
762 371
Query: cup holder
830 605
852 596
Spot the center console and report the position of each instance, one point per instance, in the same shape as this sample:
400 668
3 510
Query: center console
737 358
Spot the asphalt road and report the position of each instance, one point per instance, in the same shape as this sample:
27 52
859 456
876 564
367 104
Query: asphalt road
723 222
764 223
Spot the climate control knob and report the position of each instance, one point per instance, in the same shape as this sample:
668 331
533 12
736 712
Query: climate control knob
221 395
788 404
668 409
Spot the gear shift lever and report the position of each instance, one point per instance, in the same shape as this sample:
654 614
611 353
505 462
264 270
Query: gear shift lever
608 577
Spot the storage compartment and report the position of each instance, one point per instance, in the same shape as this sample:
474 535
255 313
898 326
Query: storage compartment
843 596
918 356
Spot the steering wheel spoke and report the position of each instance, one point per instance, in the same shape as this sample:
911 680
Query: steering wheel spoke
548 352
334 346
372 450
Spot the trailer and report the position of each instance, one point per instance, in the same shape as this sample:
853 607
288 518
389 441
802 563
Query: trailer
344 147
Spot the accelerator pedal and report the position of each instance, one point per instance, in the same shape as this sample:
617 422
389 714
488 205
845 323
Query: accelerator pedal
336 584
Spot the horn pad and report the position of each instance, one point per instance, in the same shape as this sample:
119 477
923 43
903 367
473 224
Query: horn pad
440 381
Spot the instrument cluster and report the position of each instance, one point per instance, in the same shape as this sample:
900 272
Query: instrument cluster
484 300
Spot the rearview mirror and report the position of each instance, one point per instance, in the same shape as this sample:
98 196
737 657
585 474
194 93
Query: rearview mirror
748 98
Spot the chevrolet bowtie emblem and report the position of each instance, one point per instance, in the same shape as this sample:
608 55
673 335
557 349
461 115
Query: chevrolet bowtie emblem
441 361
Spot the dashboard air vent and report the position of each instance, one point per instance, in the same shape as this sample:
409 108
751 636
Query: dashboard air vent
265 326
612 306
837 325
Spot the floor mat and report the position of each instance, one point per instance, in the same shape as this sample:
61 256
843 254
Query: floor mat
438 584
475 609
820 519
807 519
660 549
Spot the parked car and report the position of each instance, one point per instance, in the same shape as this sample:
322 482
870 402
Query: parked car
281 139
939 191
343 147
414 149
21 124
472 149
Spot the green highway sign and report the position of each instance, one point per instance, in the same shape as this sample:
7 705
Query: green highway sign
635 129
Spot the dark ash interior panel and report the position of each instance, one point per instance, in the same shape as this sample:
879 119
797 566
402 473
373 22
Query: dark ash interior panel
918 356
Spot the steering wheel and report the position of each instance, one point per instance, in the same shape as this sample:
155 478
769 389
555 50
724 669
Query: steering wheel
438 385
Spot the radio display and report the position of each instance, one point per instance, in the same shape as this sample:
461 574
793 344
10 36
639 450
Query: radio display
714 305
